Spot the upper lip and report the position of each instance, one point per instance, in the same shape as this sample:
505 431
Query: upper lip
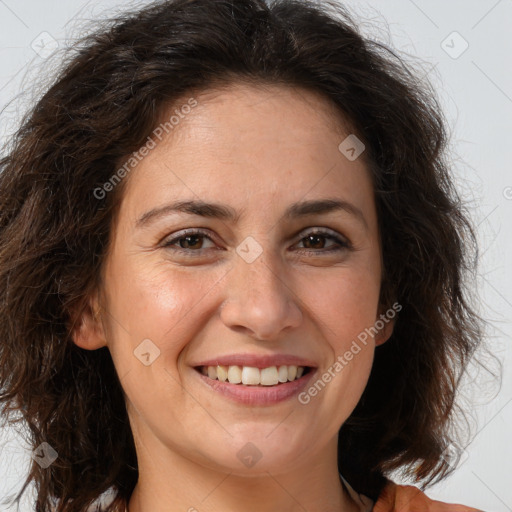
256 361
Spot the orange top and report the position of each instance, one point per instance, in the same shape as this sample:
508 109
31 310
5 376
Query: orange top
403 498
406 498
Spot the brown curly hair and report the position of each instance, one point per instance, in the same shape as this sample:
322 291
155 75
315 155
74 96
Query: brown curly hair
54 231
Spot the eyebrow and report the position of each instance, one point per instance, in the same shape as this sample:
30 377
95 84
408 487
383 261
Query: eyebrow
226 213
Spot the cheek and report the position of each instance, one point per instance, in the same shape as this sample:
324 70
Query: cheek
344 301
345 309
160 302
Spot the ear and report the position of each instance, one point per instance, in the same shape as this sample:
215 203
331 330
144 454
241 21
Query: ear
88 332
385 323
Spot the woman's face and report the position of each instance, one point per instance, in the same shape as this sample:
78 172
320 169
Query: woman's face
251 280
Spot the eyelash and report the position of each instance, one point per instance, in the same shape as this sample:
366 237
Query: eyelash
343 245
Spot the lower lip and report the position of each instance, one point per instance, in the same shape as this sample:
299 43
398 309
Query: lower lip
258 395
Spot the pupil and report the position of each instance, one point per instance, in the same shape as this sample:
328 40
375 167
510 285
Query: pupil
314 237
187 241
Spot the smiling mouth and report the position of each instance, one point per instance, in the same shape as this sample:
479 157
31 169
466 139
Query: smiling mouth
251 376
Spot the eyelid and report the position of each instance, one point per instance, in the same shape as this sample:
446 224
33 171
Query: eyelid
167 241
341 241
322 231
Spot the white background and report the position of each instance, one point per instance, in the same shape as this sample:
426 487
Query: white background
475 89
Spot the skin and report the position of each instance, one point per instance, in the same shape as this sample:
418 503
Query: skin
257 150
406 498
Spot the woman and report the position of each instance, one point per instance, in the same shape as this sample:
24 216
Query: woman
232 264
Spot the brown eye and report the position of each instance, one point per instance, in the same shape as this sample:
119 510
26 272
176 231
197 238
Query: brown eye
188 242
316 242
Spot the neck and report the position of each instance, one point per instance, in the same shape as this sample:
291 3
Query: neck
171 482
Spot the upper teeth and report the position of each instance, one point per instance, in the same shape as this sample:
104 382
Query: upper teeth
249 375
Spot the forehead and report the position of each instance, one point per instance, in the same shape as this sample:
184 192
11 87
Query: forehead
261 112
270 144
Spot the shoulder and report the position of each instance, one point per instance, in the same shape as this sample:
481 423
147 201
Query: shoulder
406 498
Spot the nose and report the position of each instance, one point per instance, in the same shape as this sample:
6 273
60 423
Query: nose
260 303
